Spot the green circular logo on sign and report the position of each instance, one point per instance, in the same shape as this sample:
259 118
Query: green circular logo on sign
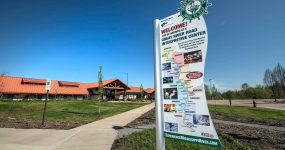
192 9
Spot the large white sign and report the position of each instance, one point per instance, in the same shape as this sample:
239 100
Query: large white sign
183 53
48 84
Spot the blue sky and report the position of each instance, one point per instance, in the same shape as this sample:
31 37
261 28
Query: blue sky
69 39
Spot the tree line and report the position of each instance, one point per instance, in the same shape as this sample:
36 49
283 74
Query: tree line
273 88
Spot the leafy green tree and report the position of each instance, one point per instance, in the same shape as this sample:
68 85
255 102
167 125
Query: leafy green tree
101 87
216 94
244 86
262 93
142 92
229 95
207 91
100 81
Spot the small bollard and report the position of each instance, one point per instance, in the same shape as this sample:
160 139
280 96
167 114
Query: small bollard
254 103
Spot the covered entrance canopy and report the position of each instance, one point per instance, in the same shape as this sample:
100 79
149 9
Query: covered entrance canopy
112 90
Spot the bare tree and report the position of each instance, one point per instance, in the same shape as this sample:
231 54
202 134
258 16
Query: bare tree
270 80
279 73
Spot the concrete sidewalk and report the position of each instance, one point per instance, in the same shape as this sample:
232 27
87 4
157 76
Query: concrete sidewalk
98 135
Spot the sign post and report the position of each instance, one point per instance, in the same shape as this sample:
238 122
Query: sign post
160 143
180 43
48 84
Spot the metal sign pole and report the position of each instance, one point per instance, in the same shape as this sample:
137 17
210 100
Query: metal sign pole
160 143
45 107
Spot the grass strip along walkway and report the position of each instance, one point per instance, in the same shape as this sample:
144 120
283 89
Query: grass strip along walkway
234 135
60 114
98 135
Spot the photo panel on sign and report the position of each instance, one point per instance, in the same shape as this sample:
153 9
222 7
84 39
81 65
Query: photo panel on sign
203 120
172 127
170 93
169 107
193 57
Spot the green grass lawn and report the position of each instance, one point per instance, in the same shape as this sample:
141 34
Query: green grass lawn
145 140
64 111
249 112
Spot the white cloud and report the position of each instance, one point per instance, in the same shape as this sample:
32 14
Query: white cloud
220 86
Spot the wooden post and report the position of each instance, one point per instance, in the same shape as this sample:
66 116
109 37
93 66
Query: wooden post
45 107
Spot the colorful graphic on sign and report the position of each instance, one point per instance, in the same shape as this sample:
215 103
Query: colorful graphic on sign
192 9
194 75
183 52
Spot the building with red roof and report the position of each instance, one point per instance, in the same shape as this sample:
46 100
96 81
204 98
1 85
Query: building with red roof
30 88
150 93
136 92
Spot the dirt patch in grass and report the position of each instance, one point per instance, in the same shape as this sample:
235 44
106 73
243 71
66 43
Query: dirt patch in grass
29 124
149 118
145 119
256 138
247 120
